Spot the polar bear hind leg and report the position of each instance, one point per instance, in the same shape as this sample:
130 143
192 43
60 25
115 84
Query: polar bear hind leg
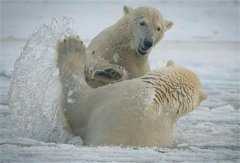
70 59
71 54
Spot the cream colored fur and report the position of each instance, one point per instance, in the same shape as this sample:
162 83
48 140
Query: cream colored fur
116 48
137 112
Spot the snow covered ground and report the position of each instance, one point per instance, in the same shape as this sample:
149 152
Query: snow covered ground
205 38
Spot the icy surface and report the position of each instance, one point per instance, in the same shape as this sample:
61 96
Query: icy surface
209 45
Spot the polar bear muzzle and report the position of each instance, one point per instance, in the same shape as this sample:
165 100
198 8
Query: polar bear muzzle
145 46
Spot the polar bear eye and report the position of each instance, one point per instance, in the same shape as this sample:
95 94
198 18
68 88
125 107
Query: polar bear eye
142 23
158 29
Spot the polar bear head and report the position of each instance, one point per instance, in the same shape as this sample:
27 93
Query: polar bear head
147 27
188 88
176 88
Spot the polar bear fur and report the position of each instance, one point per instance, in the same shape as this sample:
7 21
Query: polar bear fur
137 112
119 52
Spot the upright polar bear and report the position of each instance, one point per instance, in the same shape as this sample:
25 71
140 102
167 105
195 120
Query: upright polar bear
121 50
137 112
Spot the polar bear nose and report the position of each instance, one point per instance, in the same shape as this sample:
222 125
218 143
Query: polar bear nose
148 43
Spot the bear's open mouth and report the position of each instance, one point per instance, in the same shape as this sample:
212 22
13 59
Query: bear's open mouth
142 50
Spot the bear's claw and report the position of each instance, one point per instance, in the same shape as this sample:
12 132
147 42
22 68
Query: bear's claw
108 73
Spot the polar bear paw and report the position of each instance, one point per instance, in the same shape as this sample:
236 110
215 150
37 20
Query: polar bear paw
109 73
70 44
105 75
68 49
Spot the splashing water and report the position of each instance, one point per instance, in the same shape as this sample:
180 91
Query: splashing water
35 90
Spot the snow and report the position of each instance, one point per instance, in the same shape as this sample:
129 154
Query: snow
205 39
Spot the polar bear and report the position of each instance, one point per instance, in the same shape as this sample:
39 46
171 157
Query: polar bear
138 112
121 51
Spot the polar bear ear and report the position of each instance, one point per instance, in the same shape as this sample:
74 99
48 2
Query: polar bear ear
168 24
127 10
170 63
